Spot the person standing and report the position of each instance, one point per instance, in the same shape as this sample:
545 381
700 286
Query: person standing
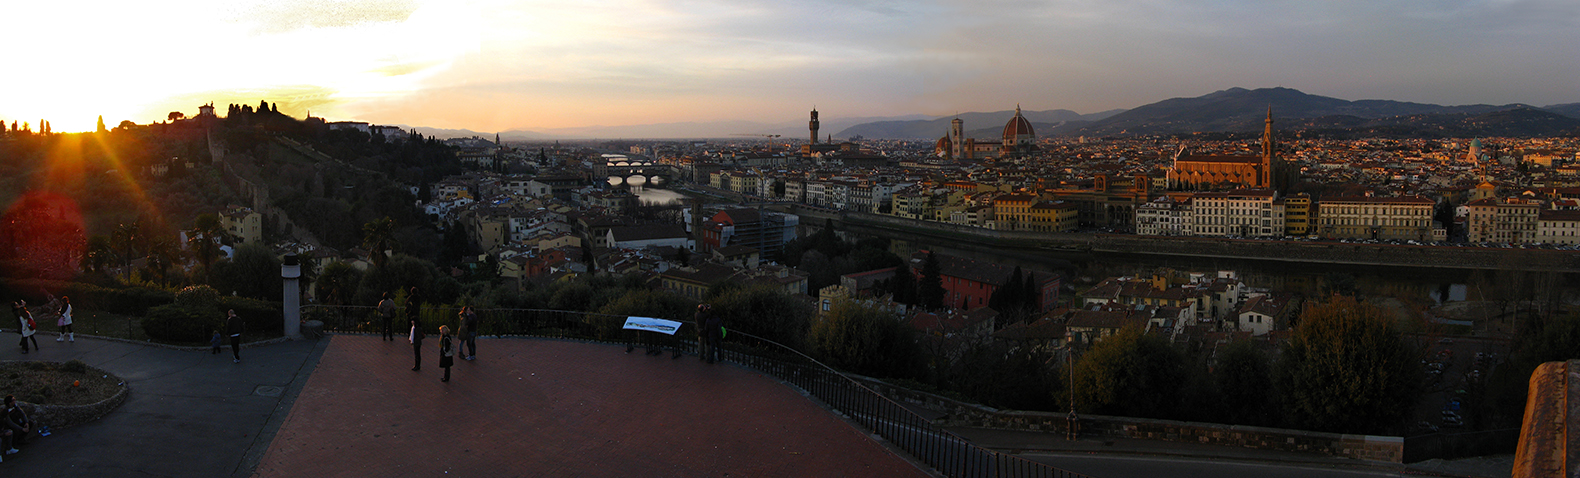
446 352
233 326
416 341
709 328
468 333
65 321
387 315
28 327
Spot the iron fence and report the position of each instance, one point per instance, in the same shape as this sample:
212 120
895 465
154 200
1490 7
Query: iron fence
946 452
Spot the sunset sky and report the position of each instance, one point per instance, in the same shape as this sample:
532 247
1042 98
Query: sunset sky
540 65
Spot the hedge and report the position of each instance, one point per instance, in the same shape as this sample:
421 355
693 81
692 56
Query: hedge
162 319
126 301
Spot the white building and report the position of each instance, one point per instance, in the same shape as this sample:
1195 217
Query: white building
1165 217
1558 227
1240 213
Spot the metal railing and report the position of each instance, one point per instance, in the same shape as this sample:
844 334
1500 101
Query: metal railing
946 452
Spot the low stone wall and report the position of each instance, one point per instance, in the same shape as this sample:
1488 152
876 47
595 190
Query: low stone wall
955 413
57 417
1324 252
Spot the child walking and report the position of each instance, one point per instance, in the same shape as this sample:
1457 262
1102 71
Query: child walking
215 343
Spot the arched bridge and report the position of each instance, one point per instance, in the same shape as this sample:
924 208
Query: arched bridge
628 168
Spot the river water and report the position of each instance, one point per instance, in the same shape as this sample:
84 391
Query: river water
655 193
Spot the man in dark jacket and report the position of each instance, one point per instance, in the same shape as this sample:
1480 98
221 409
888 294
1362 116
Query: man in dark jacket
414 316
710 327
233 327
387 315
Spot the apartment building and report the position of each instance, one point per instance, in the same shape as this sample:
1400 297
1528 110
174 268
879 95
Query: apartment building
1241 213
1361 217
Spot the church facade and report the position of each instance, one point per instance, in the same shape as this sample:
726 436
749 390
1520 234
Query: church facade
1205 172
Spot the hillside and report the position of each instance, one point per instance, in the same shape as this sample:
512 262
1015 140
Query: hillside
1243 110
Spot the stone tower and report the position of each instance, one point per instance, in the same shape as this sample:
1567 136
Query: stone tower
957 138
1266 178
812 125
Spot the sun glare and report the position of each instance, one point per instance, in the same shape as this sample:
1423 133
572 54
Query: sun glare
133 62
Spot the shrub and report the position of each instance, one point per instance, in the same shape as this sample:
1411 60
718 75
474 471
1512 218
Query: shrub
260 317
174 323
197 296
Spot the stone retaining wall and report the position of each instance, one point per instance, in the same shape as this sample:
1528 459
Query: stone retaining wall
1363 447
57 417
1327 252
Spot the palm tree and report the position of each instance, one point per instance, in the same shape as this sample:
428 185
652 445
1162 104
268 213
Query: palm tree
125 240
99 254
162 254
206 232
378 238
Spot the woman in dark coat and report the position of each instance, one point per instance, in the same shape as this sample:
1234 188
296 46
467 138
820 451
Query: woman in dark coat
446 352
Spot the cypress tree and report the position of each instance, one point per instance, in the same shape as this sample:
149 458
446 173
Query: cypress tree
932 283
1031 297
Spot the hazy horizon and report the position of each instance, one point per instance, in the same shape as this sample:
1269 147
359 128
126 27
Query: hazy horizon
502 65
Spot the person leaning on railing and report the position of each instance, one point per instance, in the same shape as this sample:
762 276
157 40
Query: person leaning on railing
387 315
710 328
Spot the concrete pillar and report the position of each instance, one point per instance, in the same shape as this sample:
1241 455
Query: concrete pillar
291 271
1552 414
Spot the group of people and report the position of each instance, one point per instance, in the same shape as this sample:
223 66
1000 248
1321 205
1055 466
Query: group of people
468 330
60 308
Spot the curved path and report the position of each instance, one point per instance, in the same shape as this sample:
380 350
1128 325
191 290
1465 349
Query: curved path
530 407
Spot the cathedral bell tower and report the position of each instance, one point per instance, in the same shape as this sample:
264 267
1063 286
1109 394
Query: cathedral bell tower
1266 178
957 138
812 125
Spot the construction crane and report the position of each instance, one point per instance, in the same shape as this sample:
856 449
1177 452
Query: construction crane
769 136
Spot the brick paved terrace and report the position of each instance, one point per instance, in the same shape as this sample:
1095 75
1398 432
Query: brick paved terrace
537 407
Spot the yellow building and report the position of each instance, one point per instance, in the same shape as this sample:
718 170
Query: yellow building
1298 216
1024 212
913 203
243 224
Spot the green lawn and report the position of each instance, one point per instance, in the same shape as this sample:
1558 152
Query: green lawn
103 324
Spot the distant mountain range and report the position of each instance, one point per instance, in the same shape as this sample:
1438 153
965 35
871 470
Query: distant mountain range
1239 110
1235 110
978 125
1242 110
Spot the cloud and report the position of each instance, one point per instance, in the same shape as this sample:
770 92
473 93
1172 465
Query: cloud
503 64
278 16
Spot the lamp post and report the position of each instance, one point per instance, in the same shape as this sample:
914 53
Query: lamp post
1072 423
291 272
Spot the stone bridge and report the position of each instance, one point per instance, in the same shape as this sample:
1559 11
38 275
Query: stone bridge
625 169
